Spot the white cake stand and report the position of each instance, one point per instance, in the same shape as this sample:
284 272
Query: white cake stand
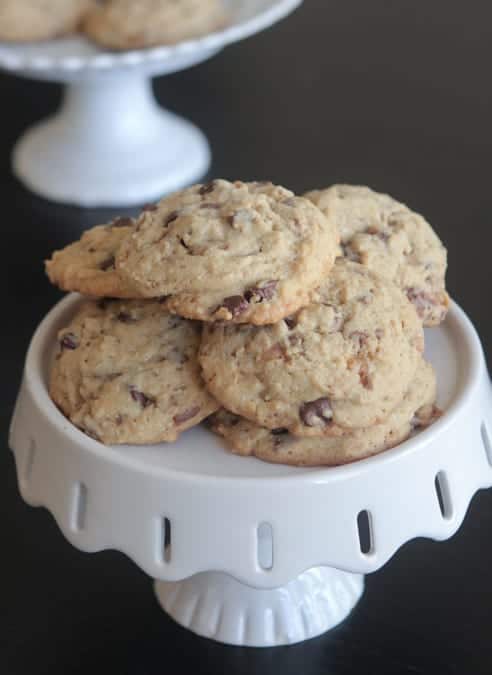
245 552
111 143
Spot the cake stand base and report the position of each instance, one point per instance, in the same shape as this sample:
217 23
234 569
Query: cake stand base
110 144
216 606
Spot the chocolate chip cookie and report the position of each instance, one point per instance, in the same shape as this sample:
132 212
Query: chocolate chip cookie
344 362
134 24
127 372
88 265
389 238
36 20
232 252
416 411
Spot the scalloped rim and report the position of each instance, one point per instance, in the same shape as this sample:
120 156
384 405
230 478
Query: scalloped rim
107 60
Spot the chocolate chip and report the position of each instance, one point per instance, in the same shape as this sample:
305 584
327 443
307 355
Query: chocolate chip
107 264
171 218
125 317
186 415
279 432
140 397
149 207
163 299
364 378
236 304
122 222
379 333
314 412
69 341
260 293
183 244
207 187
291 322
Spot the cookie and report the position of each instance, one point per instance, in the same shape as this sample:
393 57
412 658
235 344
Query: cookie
389 238
87 266
343 362
135 24
416 411
127 372
233 252
36 20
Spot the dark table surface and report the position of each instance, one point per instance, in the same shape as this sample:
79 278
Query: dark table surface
395 95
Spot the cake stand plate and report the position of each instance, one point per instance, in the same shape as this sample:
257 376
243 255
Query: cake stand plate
111 144
246 552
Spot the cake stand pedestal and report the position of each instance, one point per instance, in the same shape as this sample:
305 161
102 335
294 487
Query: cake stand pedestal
245 552
215 605
111 144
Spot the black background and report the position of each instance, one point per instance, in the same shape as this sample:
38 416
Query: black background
395 95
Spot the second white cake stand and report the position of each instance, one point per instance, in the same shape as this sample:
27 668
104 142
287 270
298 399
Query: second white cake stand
111 144
245 552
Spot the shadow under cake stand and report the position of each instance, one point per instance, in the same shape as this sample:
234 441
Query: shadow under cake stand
111 144
245 552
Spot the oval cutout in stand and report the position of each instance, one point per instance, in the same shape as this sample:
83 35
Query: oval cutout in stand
166 540
264 543
443 495
364 528
486 443
79 511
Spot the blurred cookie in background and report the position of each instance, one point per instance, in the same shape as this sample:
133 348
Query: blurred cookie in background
37 20
136 24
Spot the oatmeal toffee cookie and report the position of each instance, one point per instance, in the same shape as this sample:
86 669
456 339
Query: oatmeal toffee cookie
133 24
33 20
232 252
127 372
392 240
341 363
416 410
87 266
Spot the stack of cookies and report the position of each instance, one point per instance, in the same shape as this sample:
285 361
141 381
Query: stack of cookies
114 24
294 324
